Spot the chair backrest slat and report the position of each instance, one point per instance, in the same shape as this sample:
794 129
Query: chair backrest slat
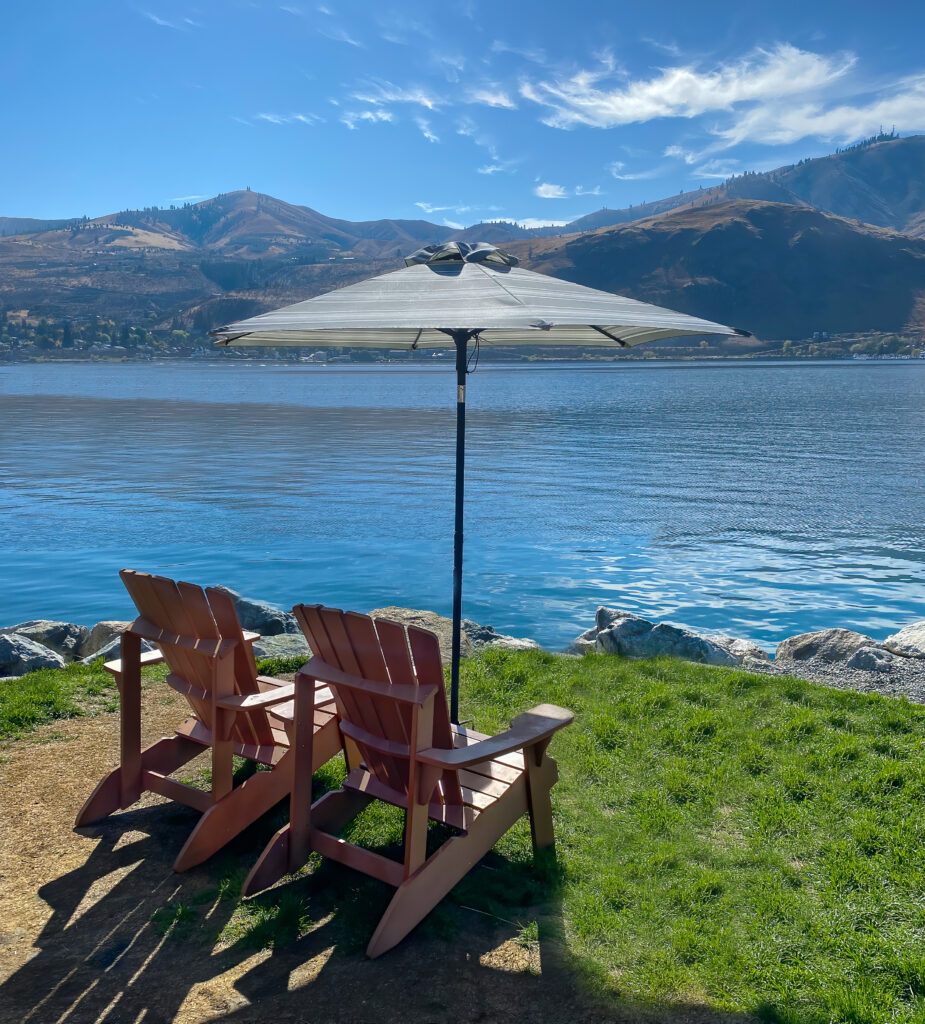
184 610
386 654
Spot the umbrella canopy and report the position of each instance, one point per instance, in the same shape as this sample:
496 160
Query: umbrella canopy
476 287
450 294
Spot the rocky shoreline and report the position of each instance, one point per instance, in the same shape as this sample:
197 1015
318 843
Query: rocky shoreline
834 657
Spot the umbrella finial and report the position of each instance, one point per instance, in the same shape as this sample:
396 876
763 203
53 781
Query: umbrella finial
461 252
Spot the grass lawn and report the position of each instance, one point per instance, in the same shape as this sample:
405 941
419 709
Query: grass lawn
737 841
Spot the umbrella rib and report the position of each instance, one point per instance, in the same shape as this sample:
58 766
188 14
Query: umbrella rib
492 277
607 334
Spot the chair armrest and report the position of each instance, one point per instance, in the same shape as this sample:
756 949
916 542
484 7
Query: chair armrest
147 658
533 726
255 701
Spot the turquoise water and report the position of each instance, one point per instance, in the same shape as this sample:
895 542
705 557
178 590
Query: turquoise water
758 499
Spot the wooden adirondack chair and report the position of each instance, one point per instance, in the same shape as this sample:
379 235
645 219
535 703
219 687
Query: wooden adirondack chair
235 711
388 687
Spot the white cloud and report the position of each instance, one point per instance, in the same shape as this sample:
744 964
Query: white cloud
340 35
321 9
351 118
581 191
454 225
670 48
451 64
490 169
290 118
187 199
429 208
296 12
720 169
425 129
491 97
685 91
652 172
687 155
779 124
548 191
536 55
378 93
159 21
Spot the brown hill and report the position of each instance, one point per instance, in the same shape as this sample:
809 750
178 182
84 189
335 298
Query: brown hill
777 270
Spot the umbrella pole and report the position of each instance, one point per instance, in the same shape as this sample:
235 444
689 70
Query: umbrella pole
461 338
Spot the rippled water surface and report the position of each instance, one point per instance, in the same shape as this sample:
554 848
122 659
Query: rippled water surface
759 499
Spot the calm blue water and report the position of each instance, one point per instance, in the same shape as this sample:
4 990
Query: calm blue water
761 500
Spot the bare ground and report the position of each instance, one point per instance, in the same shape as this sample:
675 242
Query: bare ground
82 937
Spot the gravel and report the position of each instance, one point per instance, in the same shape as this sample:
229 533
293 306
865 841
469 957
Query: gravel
906 677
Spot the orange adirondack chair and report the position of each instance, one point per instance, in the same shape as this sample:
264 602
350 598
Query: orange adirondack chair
388 687
235 711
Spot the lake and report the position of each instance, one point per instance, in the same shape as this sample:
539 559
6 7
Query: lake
759 499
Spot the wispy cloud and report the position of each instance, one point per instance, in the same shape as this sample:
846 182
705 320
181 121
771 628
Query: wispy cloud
290 118
685 91
455 225
717 169
496 164
352 118
540 222
187 199
534 54
549 191
580 190
617 171
381 92
452 65
400 28
491 96
672 49
902 105
163 22
425 129
340 35
429 208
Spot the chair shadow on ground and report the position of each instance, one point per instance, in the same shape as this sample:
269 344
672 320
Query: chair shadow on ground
131 942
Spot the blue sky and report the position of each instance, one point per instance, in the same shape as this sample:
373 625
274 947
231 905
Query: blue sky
457 111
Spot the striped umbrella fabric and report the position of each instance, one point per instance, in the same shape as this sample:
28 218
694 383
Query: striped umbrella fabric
476 287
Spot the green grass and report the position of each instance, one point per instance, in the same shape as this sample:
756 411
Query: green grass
736 841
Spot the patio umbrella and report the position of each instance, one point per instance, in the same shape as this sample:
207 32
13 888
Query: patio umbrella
460 294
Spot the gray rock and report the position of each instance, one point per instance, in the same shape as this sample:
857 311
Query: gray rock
113 650
826 645
282 645
261 617
438 624
632 636
871 659
487 636
742 650
19 655
101 635
909 642
65 638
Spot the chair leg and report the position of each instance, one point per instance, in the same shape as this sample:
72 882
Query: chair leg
164 757
540 780
234 812
330 813
418 895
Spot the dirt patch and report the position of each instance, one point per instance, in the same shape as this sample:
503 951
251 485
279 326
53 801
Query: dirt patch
96 927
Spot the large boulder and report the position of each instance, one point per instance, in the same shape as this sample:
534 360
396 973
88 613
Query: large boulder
826 645
263 618
909 642
282 645
487 636
101 635
65 638
632 636
438 624
19 655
